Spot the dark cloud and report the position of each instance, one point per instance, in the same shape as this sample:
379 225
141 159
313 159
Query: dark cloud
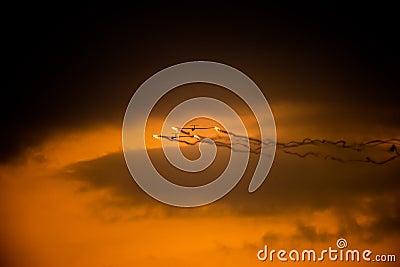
310 233
109 172
73 68
294 186
313 182
383 224
383 212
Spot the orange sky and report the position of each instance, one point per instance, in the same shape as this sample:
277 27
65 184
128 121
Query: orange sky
66 195
76 222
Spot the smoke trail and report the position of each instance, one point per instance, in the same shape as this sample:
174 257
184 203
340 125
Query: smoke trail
177 139
232 140
340 143
206 140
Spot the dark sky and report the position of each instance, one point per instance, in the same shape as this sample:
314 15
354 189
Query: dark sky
72 67
66 197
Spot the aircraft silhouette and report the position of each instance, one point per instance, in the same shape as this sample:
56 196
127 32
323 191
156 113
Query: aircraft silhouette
193 128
